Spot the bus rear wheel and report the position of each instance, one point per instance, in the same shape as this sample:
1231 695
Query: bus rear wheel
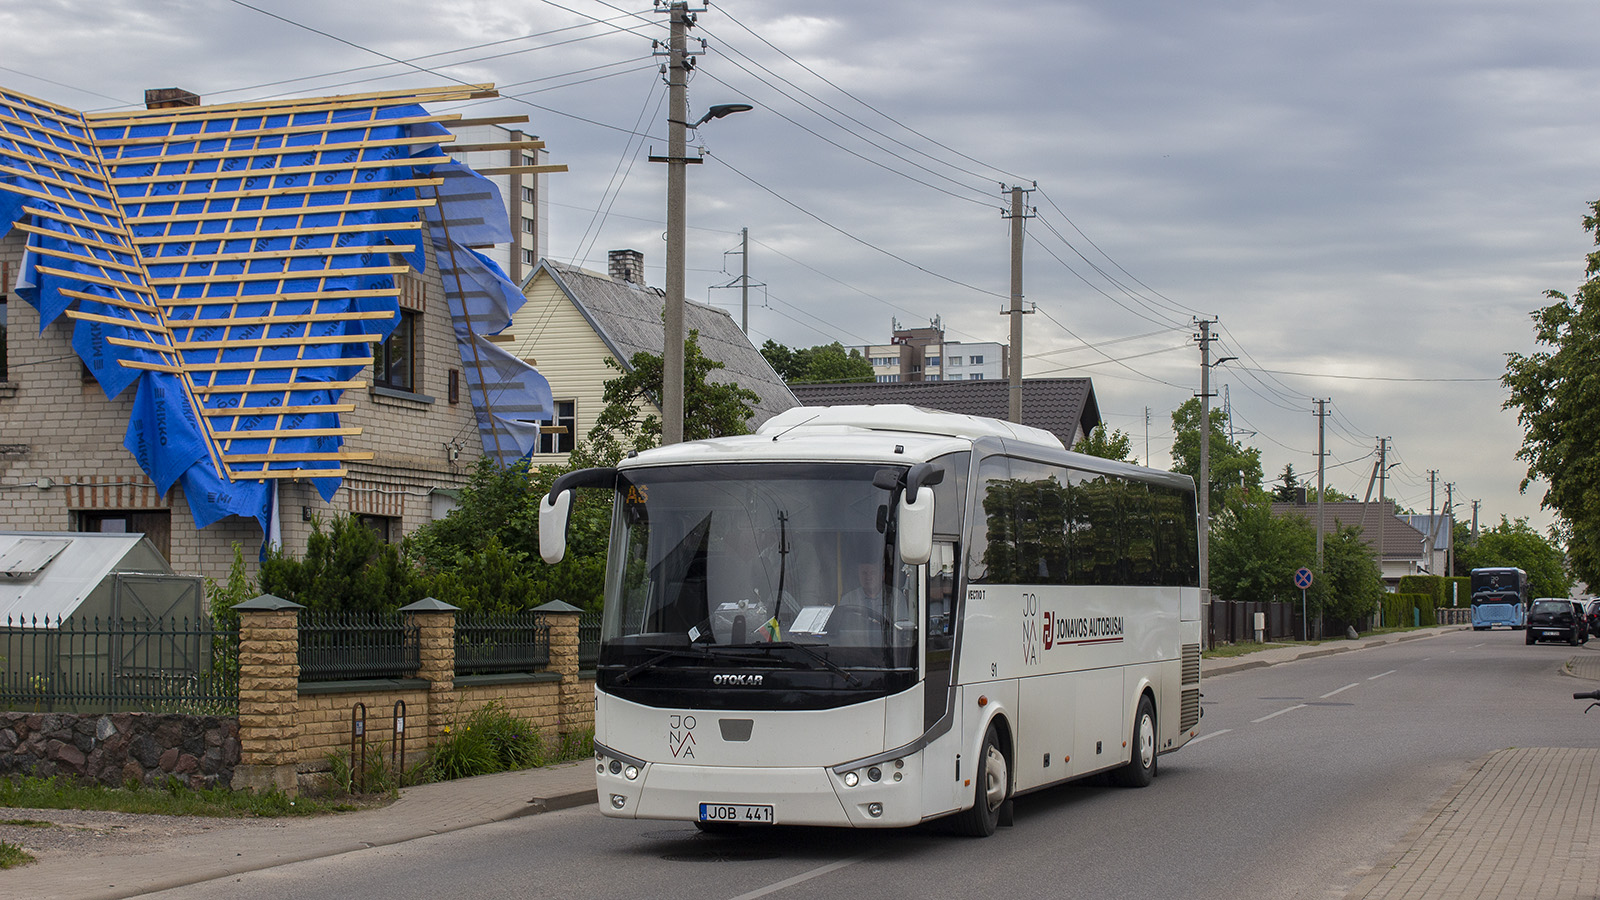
1141 768
990 790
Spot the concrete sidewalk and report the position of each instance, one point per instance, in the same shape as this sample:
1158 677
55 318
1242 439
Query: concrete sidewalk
1516 825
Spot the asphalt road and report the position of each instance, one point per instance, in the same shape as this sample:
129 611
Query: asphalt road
1306 774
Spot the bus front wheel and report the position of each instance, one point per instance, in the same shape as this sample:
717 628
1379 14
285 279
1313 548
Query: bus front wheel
991 789
1141 768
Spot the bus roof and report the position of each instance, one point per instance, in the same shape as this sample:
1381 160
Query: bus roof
899 417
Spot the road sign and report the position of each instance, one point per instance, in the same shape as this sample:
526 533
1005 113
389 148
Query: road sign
1302 578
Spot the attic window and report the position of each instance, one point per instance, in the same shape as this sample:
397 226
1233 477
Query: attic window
28 556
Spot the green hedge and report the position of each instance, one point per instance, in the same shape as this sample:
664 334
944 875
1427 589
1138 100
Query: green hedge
1438 587
1398 609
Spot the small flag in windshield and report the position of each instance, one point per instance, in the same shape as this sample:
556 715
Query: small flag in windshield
769 631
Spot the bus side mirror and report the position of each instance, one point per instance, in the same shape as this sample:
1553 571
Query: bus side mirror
553 512
914 528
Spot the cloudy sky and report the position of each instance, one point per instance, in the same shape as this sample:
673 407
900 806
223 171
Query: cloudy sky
1368 197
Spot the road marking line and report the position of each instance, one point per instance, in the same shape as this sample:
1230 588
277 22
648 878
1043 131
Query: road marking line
1381 674
1278 713
1345 688
1209 735
805 876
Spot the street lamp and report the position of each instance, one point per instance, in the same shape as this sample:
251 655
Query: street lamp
677 162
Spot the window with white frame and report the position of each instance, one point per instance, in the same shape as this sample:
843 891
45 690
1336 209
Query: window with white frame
565 419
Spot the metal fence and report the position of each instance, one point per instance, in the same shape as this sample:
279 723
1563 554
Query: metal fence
350 646
1232 621
119 665
488 644
589 640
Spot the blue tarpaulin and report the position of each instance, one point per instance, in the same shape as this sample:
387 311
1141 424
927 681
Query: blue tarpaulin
237 264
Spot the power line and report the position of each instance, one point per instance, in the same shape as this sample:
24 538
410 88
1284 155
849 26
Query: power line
1010 175
862 241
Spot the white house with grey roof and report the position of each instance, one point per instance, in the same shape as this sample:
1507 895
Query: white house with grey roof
575 319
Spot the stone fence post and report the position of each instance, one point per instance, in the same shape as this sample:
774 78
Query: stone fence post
436 620
269 694
563 619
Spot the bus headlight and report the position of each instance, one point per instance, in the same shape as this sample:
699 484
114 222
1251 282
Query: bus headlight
618 801
851 779
874 774
616 766
631 773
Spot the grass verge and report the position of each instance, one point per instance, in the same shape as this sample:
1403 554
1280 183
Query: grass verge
175 799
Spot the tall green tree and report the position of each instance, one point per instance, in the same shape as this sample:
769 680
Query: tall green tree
1232 465
1288 487
1350 585
1254 554
1556 393
822 364
631 421
1518 545
1106 444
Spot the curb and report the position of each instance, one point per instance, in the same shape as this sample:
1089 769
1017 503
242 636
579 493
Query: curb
1229 666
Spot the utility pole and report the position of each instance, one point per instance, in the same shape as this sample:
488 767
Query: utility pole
1322 415
1475 505
1017 215
1433 478
1203 489
744 280
1450 510
1147 435
1382 473
678 64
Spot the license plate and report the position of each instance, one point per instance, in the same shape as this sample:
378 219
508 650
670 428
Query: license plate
1552 634
737 813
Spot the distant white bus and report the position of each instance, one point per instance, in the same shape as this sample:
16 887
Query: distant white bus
876 616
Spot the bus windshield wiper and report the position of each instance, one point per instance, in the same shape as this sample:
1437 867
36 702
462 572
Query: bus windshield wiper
806 649
663 656
693 651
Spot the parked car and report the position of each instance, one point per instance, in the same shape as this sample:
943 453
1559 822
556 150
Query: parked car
1554 619
1591 612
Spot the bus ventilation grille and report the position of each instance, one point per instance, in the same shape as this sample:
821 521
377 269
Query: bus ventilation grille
1189 716
1191 663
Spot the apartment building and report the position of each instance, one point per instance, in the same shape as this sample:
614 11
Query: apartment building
923 354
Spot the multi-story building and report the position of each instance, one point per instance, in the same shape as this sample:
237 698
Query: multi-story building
923 354
525 195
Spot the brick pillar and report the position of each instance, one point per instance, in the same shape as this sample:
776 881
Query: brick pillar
575 713
269 694
436 620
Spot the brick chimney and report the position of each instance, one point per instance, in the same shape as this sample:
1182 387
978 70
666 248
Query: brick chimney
168 98
626 265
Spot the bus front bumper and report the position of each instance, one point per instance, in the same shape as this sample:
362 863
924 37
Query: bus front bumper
796 796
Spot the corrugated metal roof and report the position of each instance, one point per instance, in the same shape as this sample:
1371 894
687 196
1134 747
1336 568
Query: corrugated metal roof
61 584
1066 407
628 318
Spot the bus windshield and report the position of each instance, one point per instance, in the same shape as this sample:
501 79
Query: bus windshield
760 557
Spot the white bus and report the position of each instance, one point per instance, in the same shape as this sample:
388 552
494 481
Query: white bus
874 616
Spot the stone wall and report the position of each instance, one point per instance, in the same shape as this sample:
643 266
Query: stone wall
118 749
286 729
